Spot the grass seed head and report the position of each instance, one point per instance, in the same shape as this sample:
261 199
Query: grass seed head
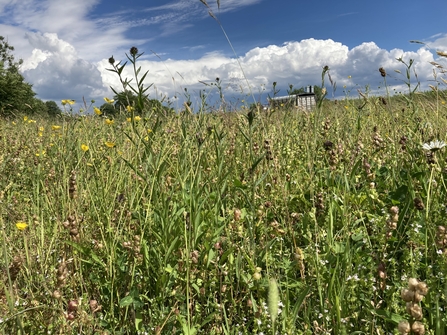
273 299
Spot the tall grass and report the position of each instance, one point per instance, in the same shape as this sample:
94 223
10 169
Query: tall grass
246 222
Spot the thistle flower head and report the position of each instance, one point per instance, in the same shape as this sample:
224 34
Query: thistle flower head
133 51
112 60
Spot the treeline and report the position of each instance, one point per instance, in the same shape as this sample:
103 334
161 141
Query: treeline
16 95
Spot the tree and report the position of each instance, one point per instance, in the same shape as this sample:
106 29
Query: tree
52 108
128 98
15 94
124 99
108 109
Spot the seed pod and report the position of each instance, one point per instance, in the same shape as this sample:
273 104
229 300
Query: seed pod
407 295
412 284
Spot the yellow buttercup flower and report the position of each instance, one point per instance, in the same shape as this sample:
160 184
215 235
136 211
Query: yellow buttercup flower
128 119
25 118
21 225
110 121
55 127
109 101
137 118
68 101
97 111
84 147
129 108
109 144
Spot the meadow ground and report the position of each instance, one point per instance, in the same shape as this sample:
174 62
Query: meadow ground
247 222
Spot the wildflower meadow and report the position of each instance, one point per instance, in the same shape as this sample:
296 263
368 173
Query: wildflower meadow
247 221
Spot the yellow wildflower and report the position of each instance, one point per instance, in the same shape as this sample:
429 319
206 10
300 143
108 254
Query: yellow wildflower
21 225
109 101
128 119
55 127
137 118
68 101
129 108
109 144
84 147
25 118
110 121
97 111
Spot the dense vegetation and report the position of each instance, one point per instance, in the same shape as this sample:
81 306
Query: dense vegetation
249 222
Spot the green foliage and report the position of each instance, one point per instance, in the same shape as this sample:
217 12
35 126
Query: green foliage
227 223
109 109
52 108
15 94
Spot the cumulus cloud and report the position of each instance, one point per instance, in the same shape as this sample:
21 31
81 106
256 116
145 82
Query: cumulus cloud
298 63
66 48
56 71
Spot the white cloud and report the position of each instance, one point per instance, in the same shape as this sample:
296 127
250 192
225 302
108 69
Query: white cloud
439 43
66 52
297 63
56 71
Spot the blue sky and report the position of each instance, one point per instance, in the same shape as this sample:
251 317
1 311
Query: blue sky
65 45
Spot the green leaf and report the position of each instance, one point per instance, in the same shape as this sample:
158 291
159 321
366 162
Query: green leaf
138 320
239 184
88 253
388 316
126 301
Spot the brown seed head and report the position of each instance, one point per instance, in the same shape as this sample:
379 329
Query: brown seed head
382 72
422 288
404 327
416 311
407 295
133 51
412 284
112 60
418 328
